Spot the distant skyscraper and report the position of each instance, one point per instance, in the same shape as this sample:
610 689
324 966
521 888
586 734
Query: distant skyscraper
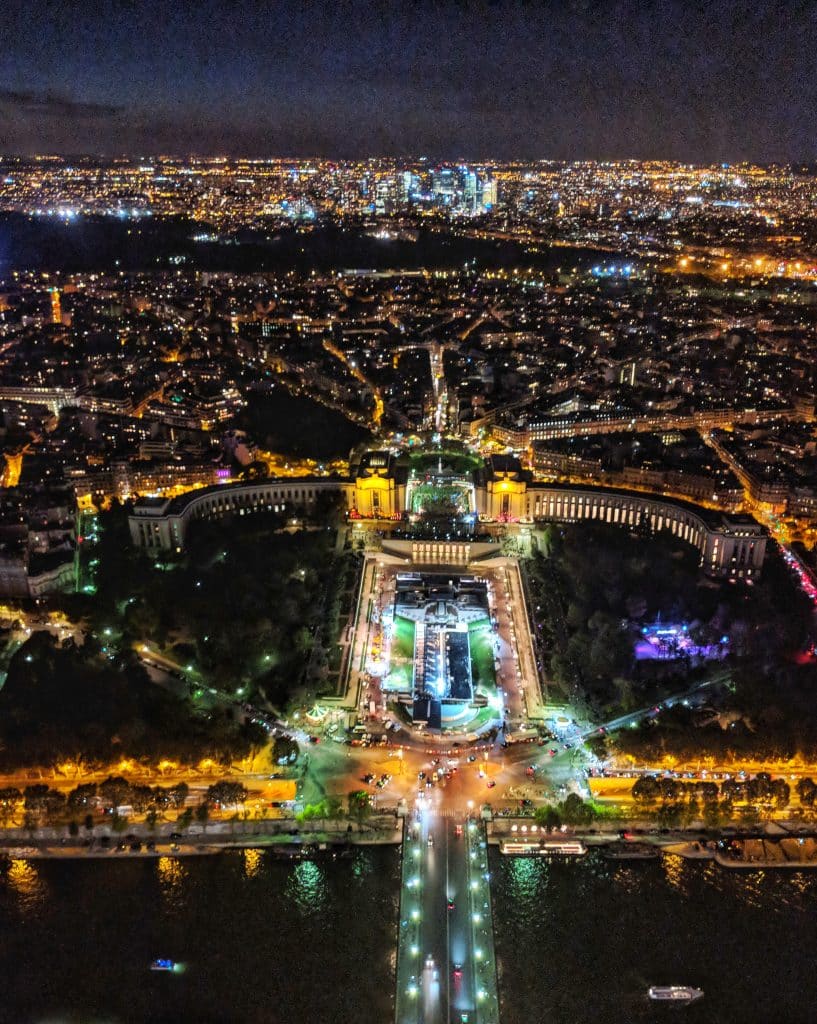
444 185
410 185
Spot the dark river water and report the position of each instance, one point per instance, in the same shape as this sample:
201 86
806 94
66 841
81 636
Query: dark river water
272 941
581 942
263 940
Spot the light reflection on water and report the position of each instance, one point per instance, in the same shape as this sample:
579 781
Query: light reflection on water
25 881
264 939
583 940
253 859
306 887
172 874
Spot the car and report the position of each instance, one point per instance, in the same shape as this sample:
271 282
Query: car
449 904
368 778
553 752
458 830
430 839
491 783
457 971
472 757
314 739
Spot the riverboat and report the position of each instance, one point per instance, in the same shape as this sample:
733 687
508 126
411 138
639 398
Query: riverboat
675 993
568 848
162 964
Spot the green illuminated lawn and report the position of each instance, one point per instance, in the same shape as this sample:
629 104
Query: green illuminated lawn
482 655
402 645
401 669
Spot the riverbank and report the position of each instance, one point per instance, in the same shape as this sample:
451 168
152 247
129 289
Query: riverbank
792 853
286 838
776 848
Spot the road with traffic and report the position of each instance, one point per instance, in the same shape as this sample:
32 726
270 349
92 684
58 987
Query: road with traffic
446 969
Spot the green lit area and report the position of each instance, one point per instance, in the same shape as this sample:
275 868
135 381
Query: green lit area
440 498
402 655
481 637
460 462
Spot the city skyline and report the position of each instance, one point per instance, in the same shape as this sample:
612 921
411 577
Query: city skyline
408 511
702 82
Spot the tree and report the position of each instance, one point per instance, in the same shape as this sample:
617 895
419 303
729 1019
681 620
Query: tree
115 791
547 817
82 796
226 794
10 796
714 815
645 789
185 817
691 812
749 814
759 789
780 793
142 798
284 749
806 791
119 822
669 815
707 791
39 799
178 794
360 804
574 811
668 789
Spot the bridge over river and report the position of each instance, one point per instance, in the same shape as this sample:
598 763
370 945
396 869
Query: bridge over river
446 971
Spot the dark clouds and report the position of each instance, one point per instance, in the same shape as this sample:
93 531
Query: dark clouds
51 105
706 80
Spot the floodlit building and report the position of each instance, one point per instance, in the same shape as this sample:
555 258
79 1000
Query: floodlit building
501 491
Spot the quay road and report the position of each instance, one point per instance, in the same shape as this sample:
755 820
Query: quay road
446 970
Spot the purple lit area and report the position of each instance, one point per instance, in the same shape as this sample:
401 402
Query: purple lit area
661 642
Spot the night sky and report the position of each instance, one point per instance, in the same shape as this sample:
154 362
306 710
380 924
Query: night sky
705 81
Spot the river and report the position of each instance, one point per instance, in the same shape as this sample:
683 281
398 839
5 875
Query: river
582 941
264 941
280 942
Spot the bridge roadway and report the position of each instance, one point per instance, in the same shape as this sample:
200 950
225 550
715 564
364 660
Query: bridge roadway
446 972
